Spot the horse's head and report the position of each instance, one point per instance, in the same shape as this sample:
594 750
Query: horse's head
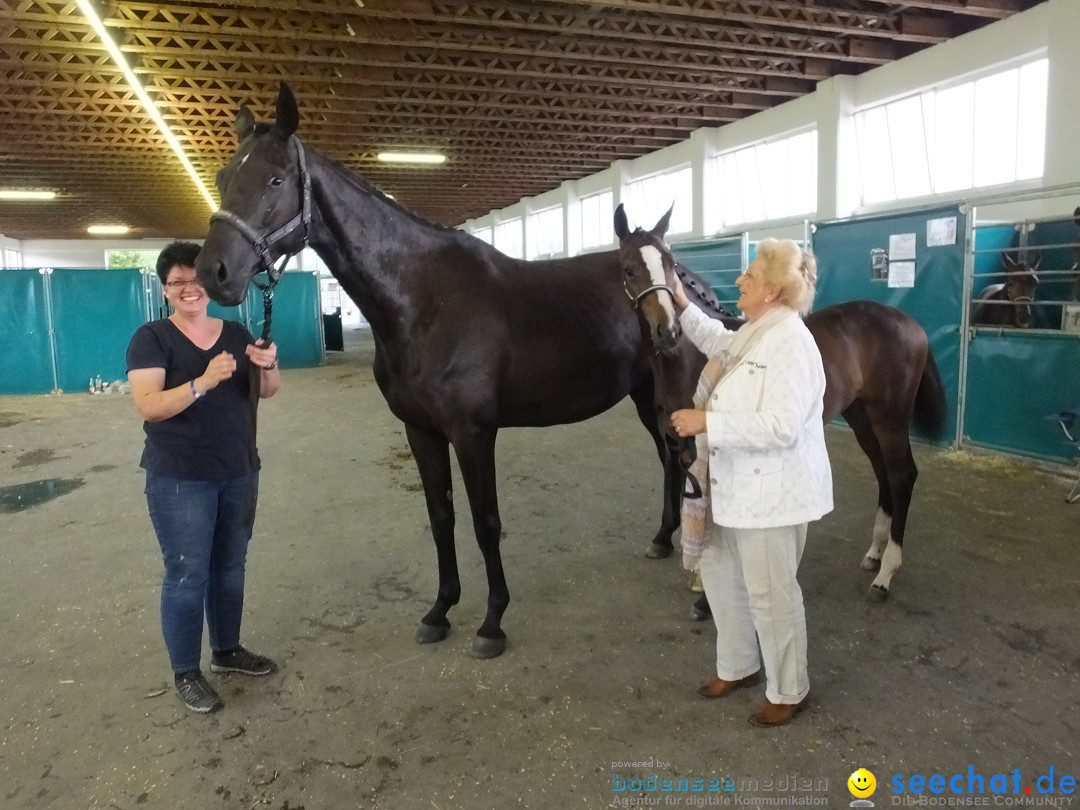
265 204
648 268
1020 285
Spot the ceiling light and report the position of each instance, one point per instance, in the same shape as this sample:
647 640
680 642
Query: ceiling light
108 230
411 157
148 103
26 194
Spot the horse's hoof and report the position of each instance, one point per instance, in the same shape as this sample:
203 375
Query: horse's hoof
487 647
659 552
431 633
699 615
877 594
870 564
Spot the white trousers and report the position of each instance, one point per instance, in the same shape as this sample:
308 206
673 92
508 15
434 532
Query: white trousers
749 578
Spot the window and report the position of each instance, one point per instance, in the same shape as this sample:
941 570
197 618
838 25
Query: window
987 132
770 180
131 258
649 198
509 239
12 259
597 223
544 233
483 234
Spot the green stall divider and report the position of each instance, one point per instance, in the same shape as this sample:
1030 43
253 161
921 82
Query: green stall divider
95 313
25 354
718 262
1016 377
296 320
845 273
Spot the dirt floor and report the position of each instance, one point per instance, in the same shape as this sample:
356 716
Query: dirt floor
971 668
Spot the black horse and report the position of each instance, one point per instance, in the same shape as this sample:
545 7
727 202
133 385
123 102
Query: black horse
879 374
467 340
1009 303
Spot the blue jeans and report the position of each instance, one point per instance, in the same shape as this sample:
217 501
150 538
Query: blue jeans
202 529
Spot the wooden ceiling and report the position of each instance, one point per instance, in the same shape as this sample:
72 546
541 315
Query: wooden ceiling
519 94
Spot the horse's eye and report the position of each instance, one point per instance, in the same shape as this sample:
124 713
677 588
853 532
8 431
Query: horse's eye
275 181
629 271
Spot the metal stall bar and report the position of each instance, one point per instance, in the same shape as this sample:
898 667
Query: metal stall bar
46 273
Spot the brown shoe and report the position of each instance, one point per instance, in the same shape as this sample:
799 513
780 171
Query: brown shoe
717 687
776 714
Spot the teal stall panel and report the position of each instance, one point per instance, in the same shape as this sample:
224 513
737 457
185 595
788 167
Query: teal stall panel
1015 378
847 271
25 356
718 262
238 313
296 325
95 313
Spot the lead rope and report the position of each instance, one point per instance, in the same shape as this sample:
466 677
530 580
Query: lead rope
255 382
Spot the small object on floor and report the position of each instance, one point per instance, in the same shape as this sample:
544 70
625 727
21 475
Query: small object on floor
195 693
715 687
776 714
243 661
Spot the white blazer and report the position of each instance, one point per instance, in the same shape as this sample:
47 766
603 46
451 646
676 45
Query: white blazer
768 465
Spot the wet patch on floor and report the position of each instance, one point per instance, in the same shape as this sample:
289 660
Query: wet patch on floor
34 493
34 458
9 418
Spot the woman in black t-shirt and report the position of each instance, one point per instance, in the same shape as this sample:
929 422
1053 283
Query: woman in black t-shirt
190 380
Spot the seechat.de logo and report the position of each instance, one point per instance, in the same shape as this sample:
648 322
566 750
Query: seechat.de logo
862 785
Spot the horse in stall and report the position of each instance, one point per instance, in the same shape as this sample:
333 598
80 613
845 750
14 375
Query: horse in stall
879 374
1009 303
467 339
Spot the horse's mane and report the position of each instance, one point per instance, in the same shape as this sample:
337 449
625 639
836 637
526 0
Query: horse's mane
357 180
701 294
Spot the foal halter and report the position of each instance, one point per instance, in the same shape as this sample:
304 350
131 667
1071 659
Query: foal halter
264 244
636 299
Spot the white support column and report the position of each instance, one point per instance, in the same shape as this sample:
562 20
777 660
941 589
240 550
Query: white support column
1062 112
838 157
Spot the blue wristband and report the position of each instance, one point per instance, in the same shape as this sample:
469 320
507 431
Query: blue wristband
194 391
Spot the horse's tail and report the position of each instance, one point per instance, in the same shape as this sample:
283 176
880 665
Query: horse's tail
930 407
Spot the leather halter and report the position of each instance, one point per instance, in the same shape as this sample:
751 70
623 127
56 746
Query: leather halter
264 244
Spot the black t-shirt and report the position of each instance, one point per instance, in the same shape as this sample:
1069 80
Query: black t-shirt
208 440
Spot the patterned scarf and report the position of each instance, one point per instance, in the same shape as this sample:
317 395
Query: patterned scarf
697 512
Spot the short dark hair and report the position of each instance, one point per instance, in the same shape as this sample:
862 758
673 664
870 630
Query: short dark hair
182 253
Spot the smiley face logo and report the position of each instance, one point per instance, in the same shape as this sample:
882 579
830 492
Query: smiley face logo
862 783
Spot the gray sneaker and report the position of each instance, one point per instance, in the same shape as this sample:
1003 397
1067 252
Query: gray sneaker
243 661
196 693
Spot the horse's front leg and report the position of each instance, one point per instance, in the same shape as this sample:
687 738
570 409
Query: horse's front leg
432 453
475 448
653 418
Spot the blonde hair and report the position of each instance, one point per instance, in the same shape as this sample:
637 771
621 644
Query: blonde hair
791 270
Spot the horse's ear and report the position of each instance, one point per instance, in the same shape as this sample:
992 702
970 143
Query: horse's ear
622 227
660 228
1037 261
288 116
1008 261
244 123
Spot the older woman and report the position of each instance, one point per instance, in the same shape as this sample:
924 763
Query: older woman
768 475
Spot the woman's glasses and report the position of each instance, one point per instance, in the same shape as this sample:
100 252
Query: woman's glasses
176 285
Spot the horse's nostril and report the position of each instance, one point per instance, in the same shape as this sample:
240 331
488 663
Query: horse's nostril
221 274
